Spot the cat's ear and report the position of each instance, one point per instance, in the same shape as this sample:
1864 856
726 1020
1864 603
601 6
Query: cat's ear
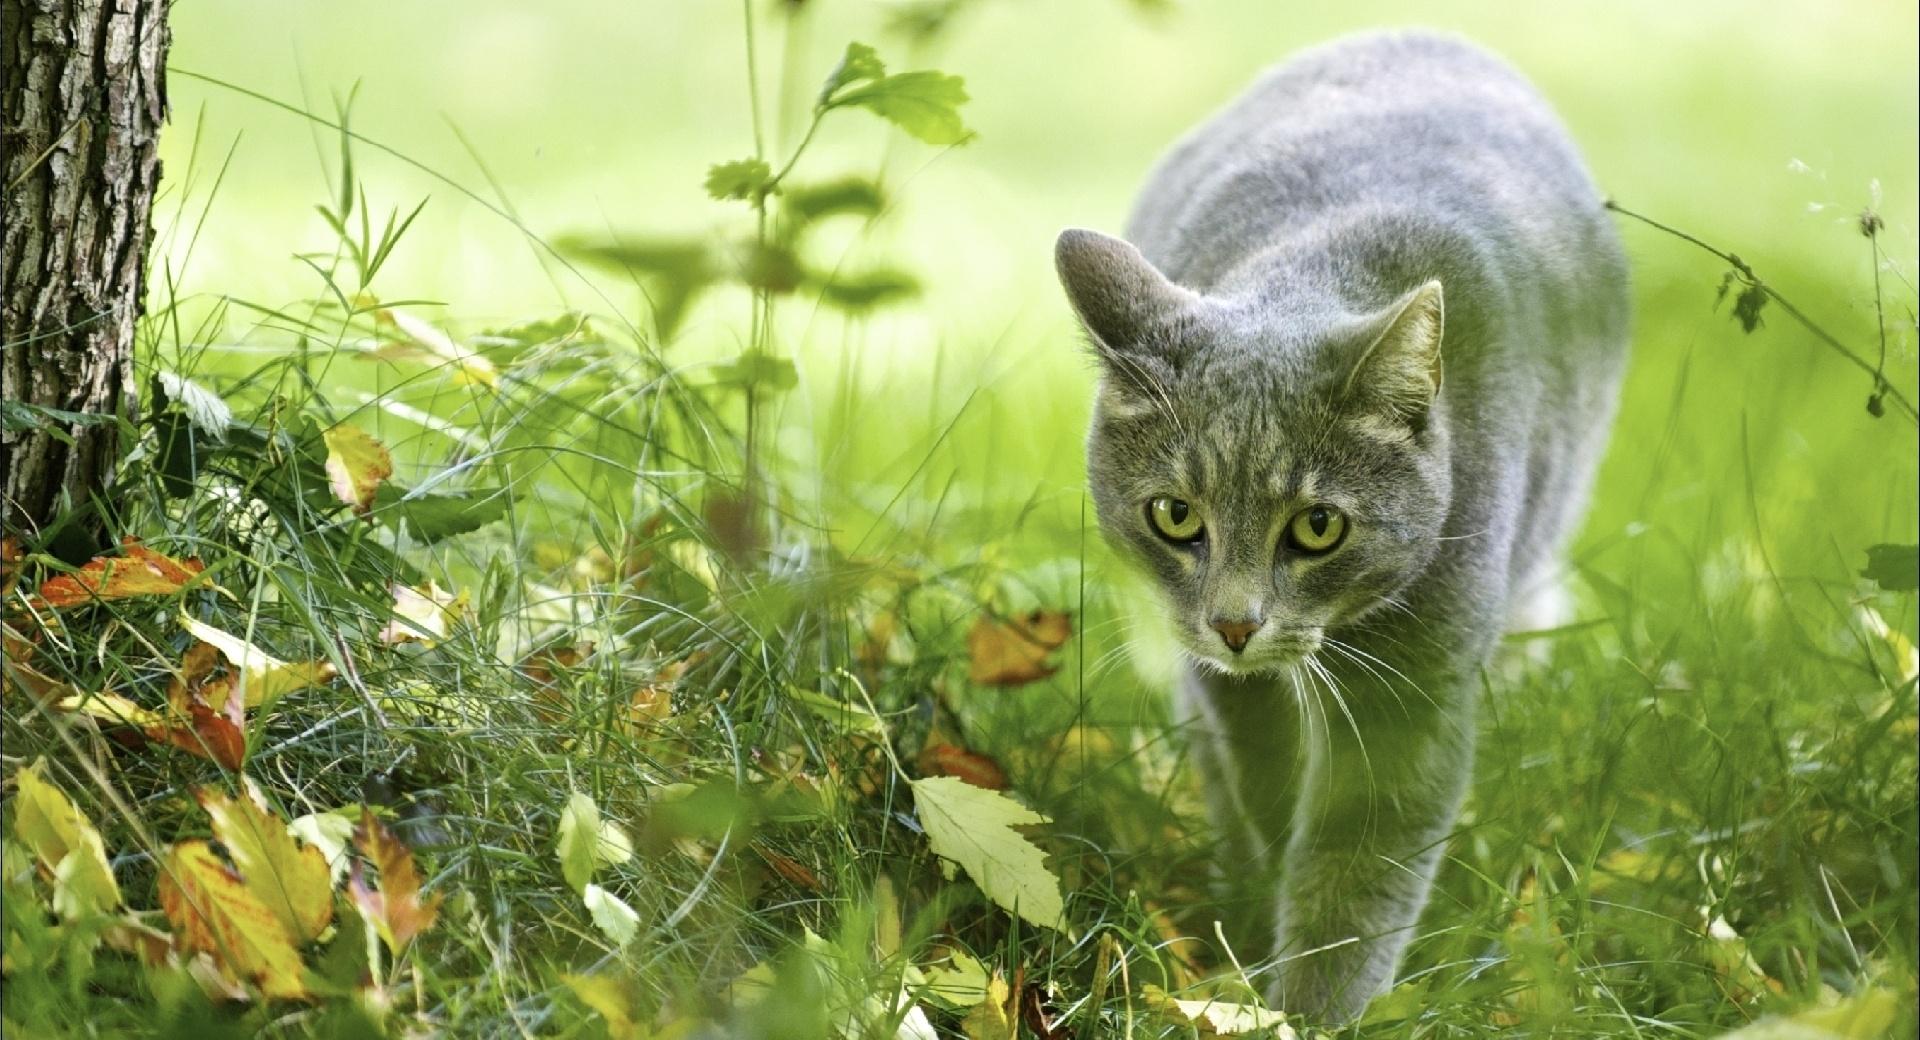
1123 301
1400 370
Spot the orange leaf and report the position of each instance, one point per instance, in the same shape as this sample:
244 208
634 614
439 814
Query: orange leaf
1014 652
356 465
396 909
138 572
970 766
289 876
213 911
204 732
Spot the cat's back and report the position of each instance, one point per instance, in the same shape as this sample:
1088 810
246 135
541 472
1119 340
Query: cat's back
1409 122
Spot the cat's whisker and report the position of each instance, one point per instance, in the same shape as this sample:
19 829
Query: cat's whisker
1332 685
1349 648
1347 653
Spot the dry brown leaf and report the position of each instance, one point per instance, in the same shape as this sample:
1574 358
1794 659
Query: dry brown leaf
1014 652
788 867
942 759
213 911
396 908
138 571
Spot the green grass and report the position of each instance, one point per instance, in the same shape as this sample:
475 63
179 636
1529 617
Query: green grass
1726 738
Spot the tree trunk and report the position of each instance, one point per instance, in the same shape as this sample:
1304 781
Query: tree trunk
82 97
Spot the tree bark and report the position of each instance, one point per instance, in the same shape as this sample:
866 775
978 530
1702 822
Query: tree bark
82 97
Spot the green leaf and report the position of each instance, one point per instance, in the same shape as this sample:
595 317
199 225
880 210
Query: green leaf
860 63
1864 1016
64 841
429 517
615 919
758 370
868 289
851 717
208 412
805 203
924 104
1896 568
587 842
973 828
739 179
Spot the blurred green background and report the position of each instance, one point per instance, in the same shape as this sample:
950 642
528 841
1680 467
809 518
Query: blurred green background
1763 127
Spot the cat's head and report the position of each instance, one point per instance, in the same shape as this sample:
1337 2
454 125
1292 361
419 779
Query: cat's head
1279 470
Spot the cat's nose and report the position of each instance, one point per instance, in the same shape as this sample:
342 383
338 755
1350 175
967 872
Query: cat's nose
1236 633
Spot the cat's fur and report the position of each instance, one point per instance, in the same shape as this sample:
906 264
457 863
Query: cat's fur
1382 279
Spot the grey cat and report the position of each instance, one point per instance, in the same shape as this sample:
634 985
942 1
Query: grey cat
1355 378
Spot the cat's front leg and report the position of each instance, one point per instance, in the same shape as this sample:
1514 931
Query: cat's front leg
1382 788
1244 735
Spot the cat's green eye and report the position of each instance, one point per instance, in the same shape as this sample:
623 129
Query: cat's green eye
1317 529
1175 519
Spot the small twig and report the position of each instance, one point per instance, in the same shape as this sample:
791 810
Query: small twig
1747 274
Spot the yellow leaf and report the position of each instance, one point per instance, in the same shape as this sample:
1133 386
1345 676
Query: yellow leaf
991 1019
109 706
468 366
291 878
1219 1017
212 911
262 677
66 845
356 465
962 982
1867 1015
611 1000
423 614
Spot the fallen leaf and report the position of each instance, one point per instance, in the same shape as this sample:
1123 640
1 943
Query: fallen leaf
1733 962
262 677
138 571
610 999
788 867
329 832
65 843
422 614
586 842
396 909
991 1018
1219 1017
357 465
290 877
1014 652
213 912
973 828
615 919
131 934
1867 1015
971 766
209 734
962 982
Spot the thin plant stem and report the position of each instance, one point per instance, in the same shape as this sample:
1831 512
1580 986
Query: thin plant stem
1746 273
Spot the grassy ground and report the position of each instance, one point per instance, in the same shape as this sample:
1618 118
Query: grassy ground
1693 808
